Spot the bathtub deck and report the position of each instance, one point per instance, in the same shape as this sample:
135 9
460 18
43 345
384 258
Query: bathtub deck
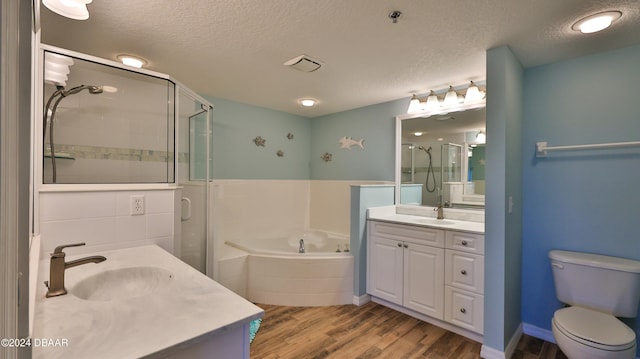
368 331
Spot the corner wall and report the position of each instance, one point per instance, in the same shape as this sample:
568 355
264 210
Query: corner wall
503 213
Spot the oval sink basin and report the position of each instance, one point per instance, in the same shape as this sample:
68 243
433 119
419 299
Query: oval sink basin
122 283
435 222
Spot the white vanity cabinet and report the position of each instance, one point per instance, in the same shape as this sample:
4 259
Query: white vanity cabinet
464 280
434 274
405 266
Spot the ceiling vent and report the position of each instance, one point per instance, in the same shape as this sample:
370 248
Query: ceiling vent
303 63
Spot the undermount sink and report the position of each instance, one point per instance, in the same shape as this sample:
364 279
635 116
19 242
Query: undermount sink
122 283
438 222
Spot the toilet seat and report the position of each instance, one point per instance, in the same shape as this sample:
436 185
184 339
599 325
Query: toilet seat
594 329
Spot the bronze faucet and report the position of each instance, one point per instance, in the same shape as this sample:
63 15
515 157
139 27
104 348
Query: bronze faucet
58 266
440 211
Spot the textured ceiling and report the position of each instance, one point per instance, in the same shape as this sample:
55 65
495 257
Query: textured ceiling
234 49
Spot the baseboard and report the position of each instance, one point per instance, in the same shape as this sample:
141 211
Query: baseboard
363 299
538 332
491 353
513 343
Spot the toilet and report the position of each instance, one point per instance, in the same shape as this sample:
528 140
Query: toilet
597 289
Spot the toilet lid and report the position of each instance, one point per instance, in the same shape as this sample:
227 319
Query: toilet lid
594 328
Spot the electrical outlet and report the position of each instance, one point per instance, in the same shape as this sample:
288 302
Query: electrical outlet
137 205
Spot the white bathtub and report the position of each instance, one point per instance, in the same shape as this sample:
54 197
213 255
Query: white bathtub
277 274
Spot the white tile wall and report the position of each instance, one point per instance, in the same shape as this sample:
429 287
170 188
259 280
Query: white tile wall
102 220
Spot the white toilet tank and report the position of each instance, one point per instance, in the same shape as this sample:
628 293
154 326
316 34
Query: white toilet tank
606 284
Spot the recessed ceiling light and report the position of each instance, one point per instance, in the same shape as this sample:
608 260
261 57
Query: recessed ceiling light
131 61
417 133
596 22
307 102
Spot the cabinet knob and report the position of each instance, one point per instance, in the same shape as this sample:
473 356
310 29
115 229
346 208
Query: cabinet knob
462 310
400 245
406 245
463 272
464 243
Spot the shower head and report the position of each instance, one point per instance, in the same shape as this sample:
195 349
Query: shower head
75 90
95 89
427 150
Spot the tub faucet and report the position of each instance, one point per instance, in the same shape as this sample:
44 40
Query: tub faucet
58 267
301 248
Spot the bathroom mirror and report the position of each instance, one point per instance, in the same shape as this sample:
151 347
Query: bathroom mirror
440 158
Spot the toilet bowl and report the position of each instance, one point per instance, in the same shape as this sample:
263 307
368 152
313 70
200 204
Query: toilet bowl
587 334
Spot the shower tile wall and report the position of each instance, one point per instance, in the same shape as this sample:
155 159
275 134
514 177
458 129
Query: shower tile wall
116 137
102 220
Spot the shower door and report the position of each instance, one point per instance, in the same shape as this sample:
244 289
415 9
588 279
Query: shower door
194 126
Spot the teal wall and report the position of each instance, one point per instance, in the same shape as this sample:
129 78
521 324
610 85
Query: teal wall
503 227
375 124
579 200
235 155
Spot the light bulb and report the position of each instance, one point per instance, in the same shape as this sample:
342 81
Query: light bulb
432 102
451 98
307 102
473 93
414 104
596 22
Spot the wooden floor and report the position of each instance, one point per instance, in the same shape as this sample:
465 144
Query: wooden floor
368 331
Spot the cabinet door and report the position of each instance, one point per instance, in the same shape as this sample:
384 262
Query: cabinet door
384 268
424 279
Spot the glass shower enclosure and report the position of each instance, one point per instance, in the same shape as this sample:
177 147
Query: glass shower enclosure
107 126
194 171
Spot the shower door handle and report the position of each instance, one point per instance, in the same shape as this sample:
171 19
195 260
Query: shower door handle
188 216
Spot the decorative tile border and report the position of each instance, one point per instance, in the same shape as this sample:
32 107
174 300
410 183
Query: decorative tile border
114 153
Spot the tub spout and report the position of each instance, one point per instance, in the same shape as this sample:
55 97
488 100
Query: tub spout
301 248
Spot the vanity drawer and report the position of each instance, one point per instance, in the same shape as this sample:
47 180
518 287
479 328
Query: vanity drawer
463 241
464 309
401 232
464 270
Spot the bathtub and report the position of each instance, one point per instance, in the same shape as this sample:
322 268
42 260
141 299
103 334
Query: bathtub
277 274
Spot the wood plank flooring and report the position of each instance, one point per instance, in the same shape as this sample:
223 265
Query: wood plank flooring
368 331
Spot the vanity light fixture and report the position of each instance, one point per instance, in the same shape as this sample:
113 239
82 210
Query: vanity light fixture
73 9
596 22
451 99
132 61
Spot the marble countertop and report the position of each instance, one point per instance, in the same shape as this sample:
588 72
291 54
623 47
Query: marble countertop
190 309
432 222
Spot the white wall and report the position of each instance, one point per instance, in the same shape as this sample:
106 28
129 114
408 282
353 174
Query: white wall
103 221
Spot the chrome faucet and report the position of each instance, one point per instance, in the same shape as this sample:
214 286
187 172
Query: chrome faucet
58 266
440 211
301 248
